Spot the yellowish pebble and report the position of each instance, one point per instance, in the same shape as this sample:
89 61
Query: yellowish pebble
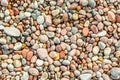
10 61
100 58
58 56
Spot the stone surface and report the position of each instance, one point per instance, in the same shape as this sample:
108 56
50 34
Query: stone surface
42 53
34 71
115 73
85 76
12 31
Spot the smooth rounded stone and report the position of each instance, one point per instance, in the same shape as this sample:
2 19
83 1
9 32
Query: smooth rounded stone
42 53
92 3
17 63
118 11
5 71
101 45
85 31
16 56
4 65
63 68
84 2
3 41
66 73
77 72
43 38
33 59
12 31
48 19
55 12
52 3
40 19
98 17
111 16
102 33
0 73
2 27
73 38
96 50
35 4
4 57
51 67
50 34
89 47
115 73
26 68
57 63
33 71
18 46
25 76
98 74
86 76
106 76
100 25
39 62
44 76
27 14
23 61
64 79
74 30
107 51
106 61
66 62
17 77
53 54
35 46
10 67
7 12
95 58
56 40
80 42
4 2
72 52
107 23
75 16
94 29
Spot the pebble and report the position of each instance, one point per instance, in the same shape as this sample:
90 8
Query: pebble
12 31
29 55
106 77
66 62
107 51
84 2
101 45
115 73
43 38
40 20
102 33
4 2
55 12
86 76
39 62
111 16
3 41
85 31
33 71
44 76
17 63
25 76
42 53
48 19
77 72
53 54
50 34
94 29
56 40
18 46
96 50
74 30
95 58
92 3
10 67
75 16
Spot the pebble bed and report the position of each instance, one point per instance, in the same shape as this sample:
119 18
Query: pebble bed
59 39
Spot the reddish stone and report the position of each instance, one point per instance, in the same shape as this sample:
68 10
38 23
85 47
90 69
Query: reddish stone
85 31
117 18
62 54
94 29
29 55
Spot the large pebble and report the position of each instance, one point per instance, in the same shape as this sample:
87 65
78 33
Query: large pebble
48 19
115 73
111 16
39 62
17 63
86 76
3 41
66 62
12 31
42 53
50 34
92 3
40 19
18 46
96 50
101 45
34 71
25 76
107 51
43 38
102 33
4 2
84 2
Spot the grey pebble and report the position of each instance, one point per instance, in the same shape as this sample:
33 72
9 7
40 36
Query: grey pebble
66 62
10 67
115 73
101 45
92 3
25 76
84 2
18 46
40 19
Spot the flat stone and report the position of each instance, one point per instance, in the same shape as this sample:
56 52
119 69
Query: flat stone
48 19
12 31
66 62
42 53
